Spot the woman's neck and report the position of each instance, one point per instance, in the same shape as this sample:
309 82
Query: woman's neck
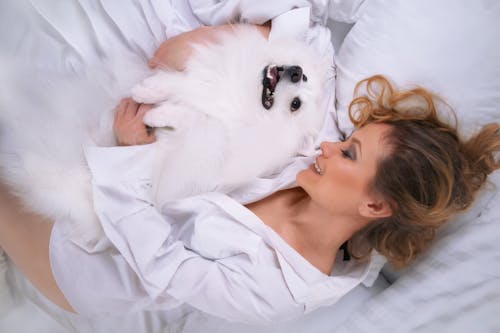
310 230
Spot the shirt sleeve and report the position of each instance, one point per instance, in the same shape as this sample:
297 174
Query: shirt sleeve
150 269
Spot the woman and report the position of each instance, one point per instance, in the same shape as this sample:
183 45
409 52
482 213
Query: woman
388 187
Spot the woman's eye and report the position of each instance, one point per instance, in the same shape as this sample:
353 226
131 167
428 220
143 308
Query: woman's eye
347 154
296 103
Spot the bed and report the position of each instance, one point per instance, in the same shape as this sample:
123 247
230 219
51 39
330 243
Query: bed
448 46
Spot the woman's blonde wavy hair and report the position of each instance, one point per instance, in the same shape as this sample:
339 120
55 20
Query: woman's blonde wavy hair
429 175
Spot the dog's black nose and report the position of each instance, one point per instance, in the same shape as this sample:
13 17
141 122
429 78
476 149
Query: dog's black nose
294 72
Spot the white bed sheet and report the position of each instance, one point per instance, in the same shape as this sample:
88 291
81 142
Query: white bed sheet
451 290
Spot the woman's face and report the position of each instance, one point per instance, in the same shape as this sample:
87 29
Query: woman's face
339 180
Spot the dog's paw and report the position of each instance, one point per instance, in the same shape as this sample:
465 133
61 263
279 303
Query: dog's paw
168 115
143 93
176 116
152 90
156 117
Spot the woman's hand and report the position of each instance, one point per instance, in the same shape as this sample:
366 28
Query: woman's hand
128 125
174 52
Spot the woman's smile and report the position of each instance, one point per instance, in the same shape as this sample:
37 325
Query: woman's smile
340 176
317 167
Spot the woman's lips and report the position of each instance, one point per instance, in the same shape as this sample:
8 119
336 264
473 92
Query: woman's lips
317 167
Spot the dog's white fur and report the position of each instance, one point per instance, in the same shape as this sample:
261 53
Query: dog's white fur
218 133
221 132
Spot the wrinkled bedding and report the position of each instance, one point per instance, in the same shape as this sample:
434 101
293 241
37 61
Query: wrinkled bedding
455 287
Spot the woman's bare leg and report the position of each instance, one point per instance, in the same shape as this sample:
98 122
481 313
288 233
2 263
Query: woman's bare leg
25 238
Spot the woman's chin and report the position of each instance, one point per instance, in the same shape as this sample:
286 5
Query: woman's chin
304 174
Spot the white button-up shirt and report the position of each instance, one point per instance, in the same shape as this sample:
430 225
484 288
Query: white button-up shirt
207 251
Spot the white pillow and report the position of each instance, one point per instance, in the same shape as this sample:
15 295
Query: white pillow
451 47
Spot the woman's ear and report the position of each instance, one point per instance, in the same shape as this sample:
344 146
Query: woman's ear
375 208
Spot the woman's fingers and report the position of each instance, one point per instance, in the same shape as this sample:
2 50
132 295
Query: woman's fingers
150 134
127 108
119 112
120 109
131 109
143 108
128 124
125 111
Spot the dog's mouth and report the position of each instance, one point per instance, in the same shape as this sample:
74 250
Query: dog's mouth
271 76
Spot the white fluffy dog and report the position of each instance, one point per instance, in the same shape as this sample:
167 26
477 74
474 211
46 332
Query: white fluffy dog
241 109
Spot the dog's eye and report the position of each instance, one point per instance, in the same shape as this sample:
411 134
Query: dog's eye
296 103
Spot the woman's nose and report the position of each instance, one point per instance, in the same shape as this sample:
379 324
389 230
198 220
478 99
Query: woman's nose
326 148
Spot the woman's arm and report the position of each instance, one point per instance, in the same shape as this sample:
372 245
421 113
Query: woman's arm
160 266
174 52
